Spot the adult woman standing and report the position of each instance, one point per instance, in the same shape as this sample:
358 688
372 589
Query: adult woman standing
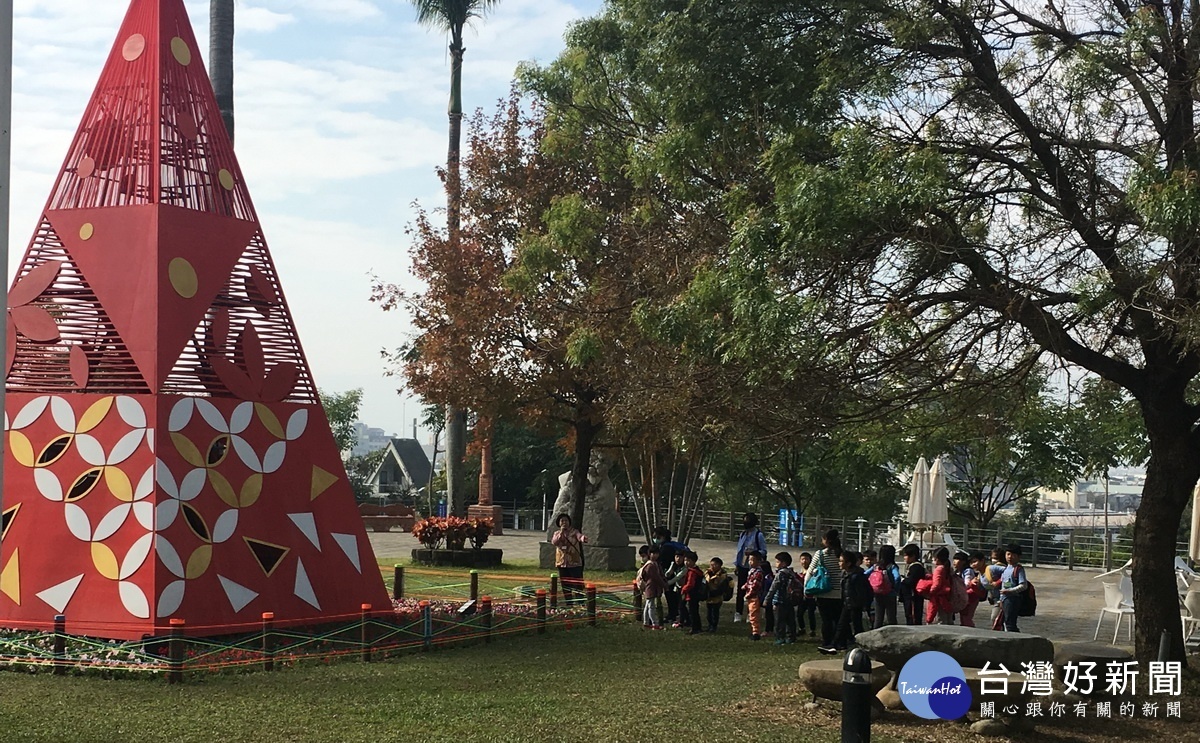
829 603
751 540
568 557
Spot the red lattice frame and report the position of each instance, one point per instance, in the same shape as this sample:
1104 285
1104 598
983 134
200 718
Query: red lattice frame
112 159
81 321
242 300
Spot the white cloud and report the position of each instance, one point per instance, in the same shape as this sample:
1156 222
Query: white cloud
260 19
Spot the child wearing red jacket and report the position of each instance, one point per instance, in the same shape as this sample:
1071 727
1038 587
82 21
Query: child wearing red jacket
691 590
937 589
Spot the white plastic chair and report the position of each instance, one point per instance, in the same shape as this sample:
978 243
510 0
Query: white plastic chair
1118 599
1190 613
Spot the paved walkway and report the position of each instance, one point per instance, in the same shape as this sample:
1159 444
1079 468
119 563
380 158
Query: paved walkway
1069 601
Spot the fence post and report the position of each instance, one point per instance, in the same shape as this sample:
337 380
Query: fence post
426 624
732 527
364 634
966 536
175 652
268 642
474 585
554 590
1071 549
398 582
1033 563
60 644
541 611
590 588
485 611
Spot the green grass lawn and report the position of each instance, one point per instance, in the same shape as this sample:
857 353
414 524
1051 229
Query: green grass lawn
615 682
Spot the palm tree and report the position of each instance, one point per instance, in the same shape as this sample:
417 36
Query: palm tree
220 57
452 16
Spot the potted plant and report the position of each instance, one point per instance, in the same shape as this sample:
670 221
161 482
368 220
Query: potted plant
430 532
478 531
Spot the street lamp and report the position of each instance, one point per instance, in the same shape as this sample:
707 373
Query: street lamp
860 521
545 511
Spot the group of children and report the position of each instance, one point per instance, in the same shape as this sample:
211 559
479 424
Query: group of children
844 586
685 586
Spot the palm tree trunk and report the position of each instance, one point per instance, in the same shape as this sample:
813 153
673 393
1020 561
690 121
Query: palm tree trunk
456 419
220 58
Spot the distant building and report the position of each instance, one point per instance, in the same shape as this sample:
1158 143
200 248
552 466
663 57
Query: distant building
368 439
404 468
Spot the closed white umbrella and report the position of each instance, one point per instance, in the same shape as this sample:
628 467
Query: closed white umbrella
1194 542
938 512
918 498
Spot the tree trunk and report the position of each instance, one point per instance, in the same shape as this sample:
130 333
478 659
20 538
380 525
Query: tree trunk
456 452
456 419
220 58
585 436
1171 474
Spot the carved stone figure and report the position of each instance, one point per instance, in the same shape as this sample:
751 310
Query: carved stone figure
601 522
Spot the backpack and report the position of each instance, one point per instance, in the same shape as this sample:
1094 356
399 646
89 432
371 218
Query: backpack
882 583
700 592
1028 606
727 594
958 593
795 592
818 577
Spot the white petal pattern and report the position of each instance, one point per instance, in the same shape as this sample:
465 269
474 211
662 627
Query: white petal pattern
131 411
125 447
211 415
143 511
225 526
78 523
134 599
165 515
296 424
168 556
31 412
145 485
48 484
166 481
181 414
64 416
171 597
193 483
242 415
273 459
246 453
90 449
111 522
136 556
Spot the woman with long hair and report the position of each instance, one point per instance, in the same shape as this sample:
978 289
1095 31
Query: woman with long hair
568 557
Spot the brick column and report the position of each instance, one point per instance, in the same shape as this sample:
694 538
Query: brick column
485 509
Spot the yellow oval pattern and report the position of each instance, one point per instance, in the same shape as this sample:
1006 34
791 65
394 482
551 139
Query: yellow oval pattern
183 277
251 489
118 484
187 450
95 414
21 449
181 52
269 420
199 561
226 179
223 488
105 561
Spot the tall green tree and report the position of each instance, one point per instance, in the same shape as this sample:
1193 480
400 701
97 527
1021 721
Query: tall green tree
220 57
452 17
341 409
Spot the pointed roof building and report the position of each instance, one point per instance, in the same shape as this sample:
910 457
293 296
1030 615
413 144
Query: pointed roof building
167 455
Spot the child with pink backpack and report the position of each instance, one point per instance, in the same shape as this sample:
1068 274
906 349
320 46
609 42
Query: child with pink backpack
885 585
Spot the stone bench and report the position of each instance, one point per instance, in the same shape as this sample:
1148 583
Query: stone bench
385 518
823 678
971 647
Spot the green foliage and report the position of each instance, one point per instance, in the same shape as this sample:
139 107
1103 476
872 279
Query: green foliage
359 470
341 408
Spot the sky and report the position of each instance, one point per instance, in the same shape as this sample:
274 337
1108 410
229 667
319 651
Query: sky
340 110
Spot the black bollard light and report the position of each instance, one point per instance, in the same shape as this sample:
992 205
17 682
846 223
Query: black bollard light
856 697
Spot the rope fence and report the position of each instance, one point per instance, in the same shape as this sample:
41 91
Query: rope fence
431 609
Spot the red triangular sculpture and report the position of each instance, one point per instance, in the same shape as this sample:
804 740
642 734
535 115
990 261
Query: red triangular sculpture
167 455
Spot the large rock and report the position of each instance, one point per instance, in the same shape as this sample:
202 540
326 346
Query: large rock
971 647
824 678
594 558
1003 689
1089 652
